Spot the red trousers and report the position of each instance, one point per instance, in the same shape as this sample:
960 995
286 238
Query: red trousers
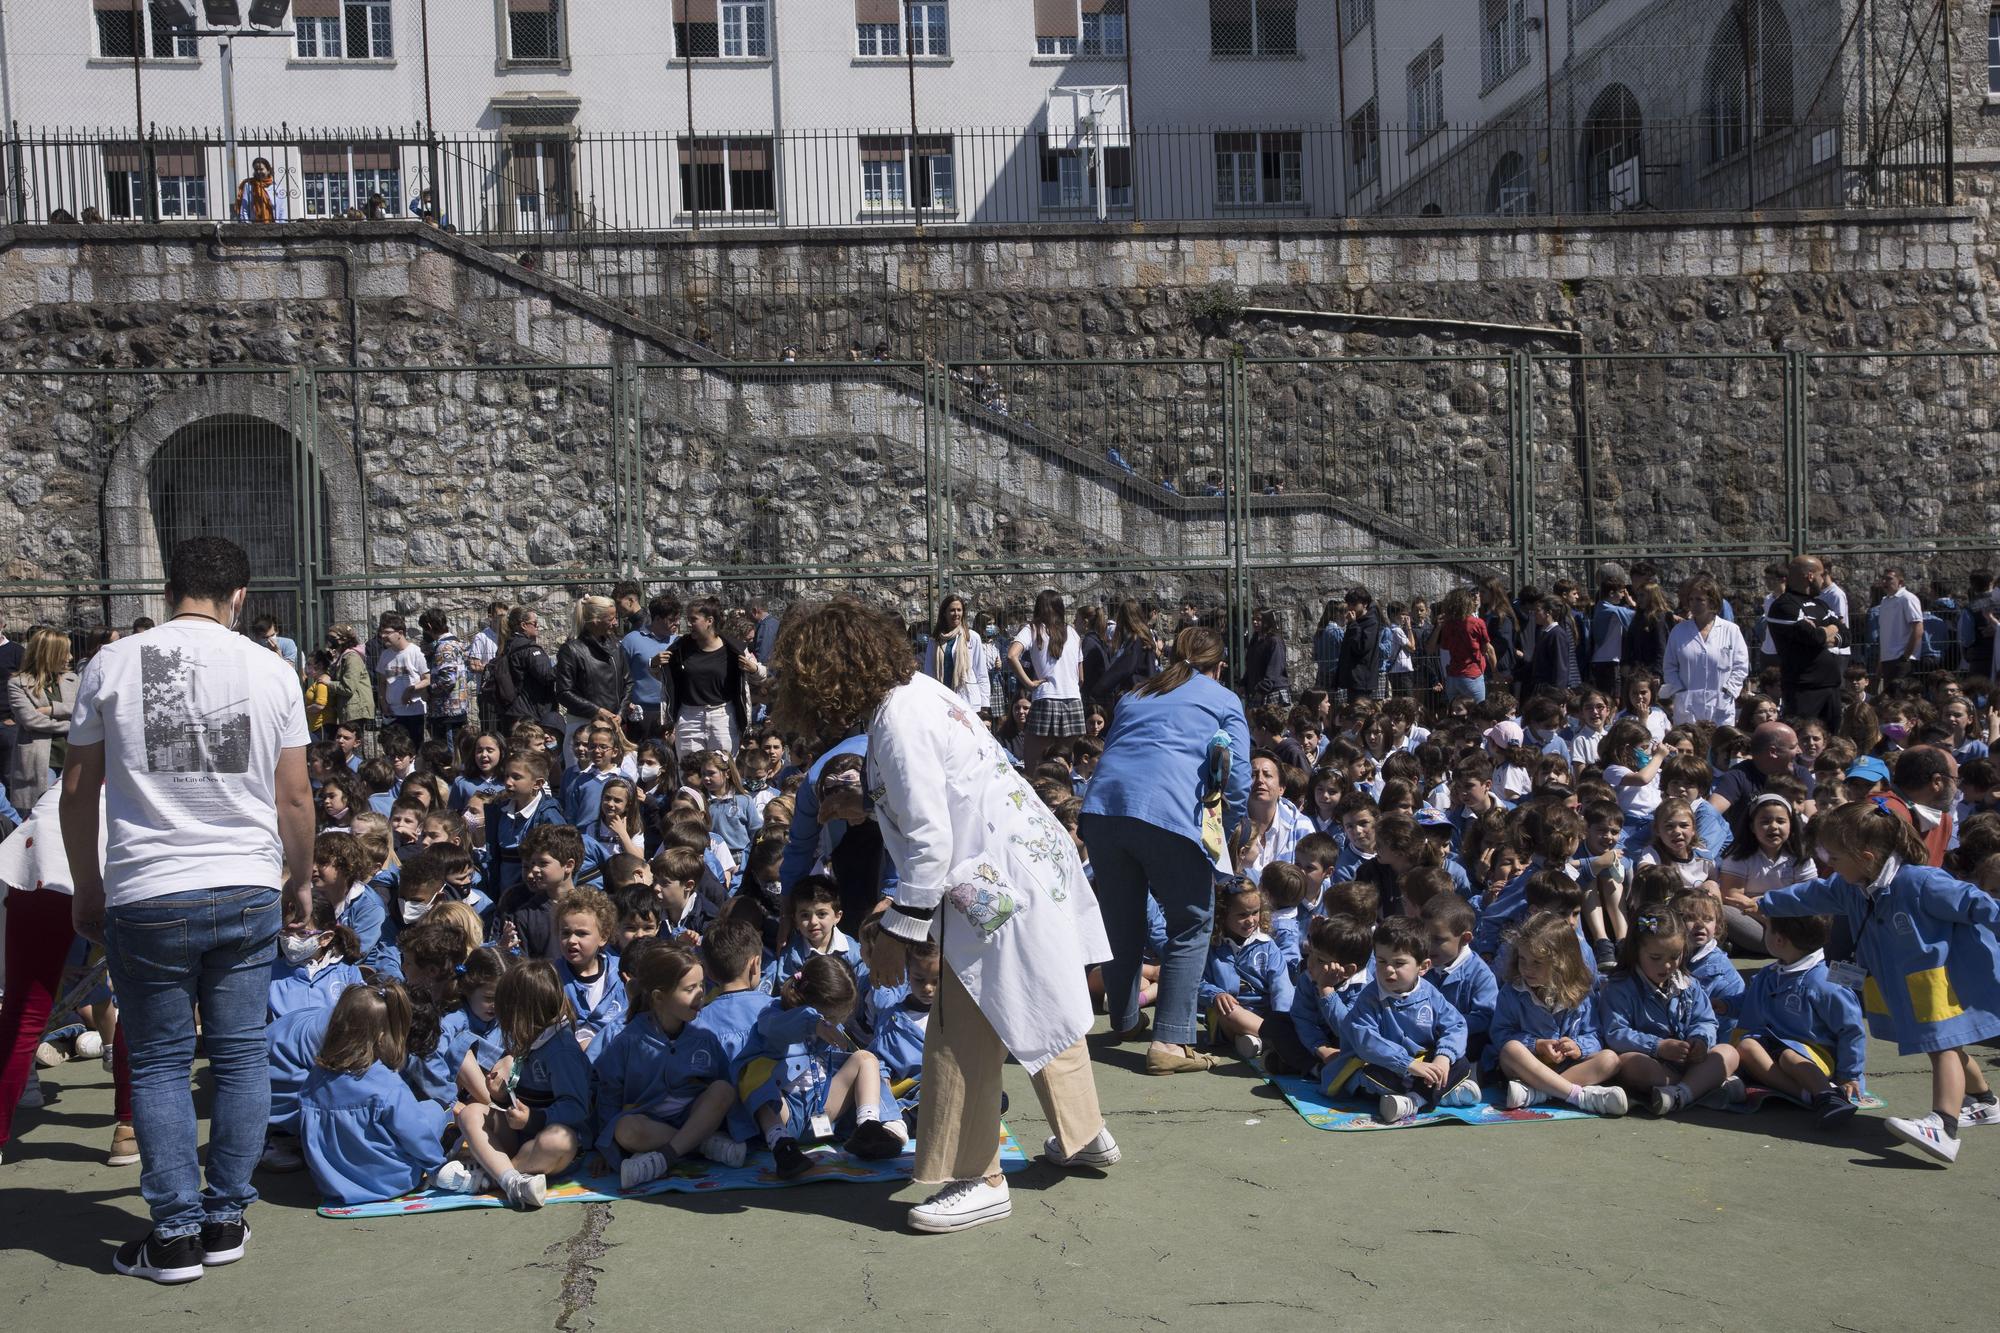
39 936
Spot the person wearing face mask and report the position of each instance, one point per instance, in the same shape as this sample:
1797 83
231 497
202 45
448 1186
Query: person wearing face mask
317 960
1923 791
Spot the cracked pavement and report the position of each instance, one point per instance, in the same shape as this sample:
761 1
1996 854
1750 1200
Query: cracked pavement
1227 1212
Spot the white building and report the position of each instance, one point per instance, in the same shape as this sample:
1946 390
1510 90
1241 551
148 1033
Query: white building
662 114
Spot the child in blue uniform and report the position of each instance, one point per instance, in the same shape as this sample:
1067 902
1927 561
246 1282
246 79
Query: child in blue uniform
899 1018
1336 969
541 1112
366 1135
1459 974
732 954
527 805
470 1043
293 1041
1553 834
662 1085
1246 981
316 961
585 925
732 815
384 874
1658 1019
1928 943
484 774
1701 917
340 874
1401 1041
1798 1030
816 930
1283 886
1545 1024
818 1074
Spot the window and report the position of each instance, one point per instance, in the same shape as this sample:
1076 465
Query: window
745 30
1092 27
1505 44
887 164
1354 16
1749 78
342 30
1612 152
727 175
1511 192
878 39
181 174
1427 93
1253 27
1104 27
1993 51
539 174
535 32
929 28
1069 179
337 177
1265 168
1056 27
121 33
1364 133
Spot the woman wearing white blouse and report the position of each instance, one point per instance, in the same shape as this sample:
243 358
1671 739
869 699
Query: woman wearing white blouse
1708 661
984 869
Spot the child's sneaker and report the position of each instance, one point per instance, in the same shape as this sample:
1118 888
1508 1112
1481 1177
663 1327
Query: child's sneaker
1465 1094
1607 954
1978 1113
281 1154
1394 1107
32 1096
1732 1092
1835 1109
1519 1095
722 1150
1250 1046
790 1158
1599 1100
636 1171
872 1141
1926 1133
1664 1101
525 1192
89 1046
454 1177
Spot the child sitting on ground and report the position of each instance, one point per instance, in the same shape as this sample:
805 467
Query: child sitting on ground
1545 1024
1798 1031
1701 916
1460 975
340 873
819 1075
316 961
365 1134
1338 950
1246 981
1658 1019
816 930
1401 1040
585 925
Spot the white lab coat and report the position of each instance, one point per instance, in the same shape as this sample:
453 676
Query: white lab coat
1015 916
1705 676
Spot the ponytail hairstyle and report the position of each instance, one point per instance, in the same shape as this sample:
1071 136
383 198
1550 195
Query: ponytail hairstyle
1548 937
461 917
656 971
1228 891
1655 923
481 970
370 1025
528 1000
1051 622
826 983
717 759
1869 830
1197 650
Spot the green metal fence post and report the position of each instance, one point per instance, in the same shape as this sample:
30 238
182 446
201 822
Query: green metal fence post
1797 518
1236 507
1520 395
303 389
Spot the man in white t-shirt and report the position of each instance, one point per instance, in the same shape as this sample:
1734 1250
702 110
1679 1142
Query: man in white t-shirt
479 654
405 676
196 737
1901 627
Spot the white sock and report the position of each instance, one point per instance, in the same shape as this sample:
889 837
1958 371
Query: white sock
1679 1092
772 1135
1575 1094
507 1181
863 1113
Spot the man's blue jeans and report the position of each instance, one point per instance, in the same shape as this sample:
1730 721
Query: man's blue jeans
212 948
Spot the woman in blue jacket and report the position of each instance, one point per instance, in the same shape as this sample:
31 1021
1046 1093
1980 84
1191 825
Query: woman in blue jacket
1142 820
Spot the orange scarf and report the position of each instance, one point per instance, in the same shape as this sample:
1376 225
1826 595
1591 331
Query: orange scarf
259 200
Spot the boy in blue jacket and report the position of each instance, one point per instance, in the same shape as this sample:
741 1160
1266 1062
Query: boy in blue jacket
1459 974
1403 1041
1799 1032
1336 970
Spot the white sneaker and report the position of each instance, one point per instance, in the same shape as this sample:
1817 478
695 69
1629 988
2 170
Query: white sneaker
48 1055
32 1097
1926 1134
1394 1107
89 1046
282 1154
454 1177
1249 1045
1663 1100
637 1171
1519 1094
962 1204
1467 1093
722 1150
526 1192
1600 1100
1978 1113
1101 1151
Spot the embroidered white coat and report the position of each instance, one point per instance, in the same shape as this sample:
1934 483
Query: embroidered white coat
1016 919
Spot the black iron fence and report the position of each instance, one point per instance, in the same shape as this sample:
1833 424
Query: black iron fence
542 181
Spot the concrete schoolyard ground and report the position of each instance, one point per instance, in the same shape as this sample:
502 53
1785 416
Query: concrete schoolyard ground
1229 1212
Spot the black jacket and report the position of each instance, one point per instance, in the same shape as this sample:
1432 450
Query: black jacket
1264 666
735 684
590 674
524 683
1796 626
1361 655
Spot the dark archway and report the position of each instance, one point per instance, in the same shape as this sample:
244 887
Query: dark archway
1747 92
1611 167
1510 191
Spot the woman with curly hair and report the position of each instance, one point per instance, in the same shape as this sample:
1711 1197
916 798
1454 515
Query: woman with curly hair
983 868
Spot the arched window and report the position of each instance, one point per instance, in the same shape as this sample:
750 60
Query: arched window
1510 191
235 476
1612 171
1748 91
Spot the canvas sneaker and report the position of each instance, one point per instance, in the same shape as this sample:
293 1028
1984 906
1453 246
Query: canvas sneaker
224 1242
961 1205
167 1262
1978 1113
1600 1100
1394 1107
1101 1151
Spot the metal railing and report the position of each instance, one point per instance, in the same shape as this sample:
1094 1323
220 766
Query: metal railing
1239 482
524 183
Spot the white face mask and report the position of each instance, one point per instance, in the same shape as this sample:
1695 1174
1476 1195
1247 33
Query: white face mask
298 949
475 823
413 910
649 772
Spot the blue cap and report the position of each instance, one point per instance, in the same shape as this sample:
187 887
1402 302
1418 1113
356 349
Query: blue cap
1869 767
1432 817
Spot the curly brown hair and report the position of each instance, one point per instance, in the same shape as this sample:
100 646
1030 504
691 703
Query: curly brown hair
836 661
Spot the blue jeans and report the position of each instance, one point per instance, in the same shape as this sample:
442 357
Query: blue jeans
1129 857
212 948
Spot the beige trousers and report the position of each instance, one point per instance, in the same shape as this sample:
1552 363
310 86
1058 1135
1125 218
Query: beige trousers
958 1123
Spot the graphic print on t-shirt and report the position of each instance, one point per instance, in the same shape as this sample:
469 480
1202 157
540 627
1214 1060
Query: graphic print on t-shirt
196 722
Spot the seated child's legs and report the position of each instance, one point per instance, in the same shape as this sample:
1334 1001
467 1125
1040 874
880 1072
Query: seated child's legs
1284 1053
1227 1025
489 1139
548 1152
1708 1073
857 1082
1518 1061
1642 1073
1780 1068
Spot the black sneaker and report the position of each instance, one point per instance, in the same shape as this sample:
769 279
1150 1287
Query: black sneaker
873 1141
1834 1109
223 1242
791 1159
167 1262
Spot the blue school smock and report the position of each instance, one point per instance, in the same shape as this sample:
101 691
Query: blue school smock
463 789
555 1078
1519 1016
804 1066
730 1017
1254 971
1392 1030
1288 933
363 913
1470 986
1719 977
1509 906
841 946
505 827
646 1072
1804 1008
611 1004
897 1025
366 1136
1153 766
1712 833
459 1033
735 819
1928 942
581 793
1316 1014
300 988
293 1042
1638 1015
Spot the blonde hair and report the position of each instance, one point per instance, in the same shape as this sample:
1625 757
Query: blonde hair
587 607
1549 937
46 657
460 917
1868 829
